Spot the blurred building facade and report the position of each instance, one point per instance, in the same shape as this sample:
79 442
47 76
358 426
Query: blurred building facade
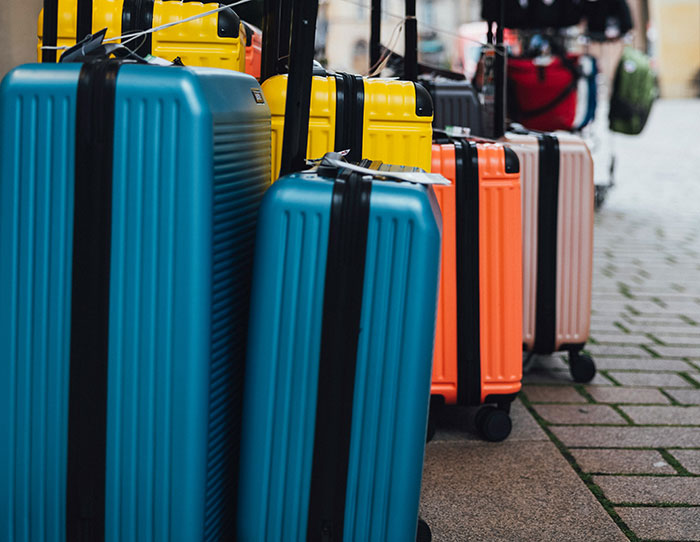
18 36
675 44
347 41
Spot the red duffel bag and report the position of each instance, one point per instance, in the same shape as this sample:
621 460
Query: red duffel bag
542 91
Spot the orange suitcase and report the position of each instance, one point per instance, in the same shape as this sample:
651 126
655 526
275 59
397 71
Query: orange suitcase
478 340
253 50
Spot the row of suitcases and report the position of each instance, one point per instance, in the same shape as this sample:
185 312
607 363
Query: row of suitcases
143 271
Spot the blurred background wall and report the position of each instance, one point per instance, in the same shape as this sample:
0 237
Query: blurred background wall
676 46
18 32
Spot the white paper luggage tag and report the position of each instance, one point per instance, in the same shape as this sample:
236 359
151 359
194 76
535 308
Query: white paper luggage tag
418 177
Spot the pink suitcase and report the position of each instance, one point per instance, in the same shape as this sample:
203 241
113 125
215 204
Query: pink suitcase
557 210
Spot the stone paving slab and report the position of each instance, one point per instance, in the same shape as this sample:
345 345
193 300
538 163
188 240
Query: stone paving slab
671 524
579 414
651 364
619 395
663 415
628 437
514 491
682 339
553 394
561 377
628 351
650 380
650 489
617 336
678 351
613 461
687 397
690 459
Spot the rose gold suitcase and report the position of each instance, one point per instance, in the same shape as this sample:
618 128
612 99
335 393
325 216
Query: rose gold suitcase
557 210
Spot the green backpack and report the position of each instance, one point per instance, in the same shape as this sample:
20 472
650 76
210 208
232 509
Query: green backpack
634 91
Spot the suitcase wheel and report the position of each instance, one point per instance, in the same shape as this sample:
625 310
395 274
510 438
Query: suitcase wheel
493 423
423 534
581 367
437 403
431 429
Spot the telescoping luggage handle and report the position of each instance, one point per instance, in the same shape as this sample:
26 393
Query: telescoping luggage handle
275 36
410 65
500 67
50 30
301 57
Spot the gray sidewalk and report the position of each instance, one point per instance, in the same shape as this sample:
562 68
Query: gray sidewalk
620 458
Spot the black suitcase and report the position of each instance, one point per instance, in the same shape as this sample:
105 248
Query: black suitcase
455 103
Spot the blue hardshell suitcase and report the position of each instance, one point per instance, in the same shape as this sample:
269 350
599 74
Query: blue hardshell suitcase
128 204
339 360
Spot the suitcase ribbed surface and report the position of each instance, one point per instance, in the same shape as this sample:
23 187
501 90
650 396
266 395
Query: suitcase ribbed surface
500 272
574 242
239 156
528 155
36 215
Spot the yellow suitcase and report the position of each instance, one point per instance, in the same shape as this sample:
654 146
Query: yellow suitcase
216 40
378 119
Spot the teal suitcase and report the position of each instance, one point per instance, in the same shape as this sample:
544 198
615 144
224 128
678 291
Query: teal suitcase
337 384
128 204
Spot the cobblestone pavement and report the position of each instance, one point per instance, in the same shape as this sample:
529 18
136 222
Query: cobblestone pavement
624 450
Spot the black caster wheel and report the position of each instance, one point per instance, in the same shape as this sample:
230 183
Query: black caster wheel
529 359
581 367
493 424
423 534
431 429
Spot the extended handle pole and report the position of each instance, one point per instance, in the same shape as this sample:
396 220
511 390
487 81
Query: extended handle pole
410 65
270 39
375 34
301 57
499 109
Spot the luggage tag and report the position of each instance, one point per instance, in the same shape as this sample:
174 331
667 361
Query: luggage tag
91 48
333 161
457 131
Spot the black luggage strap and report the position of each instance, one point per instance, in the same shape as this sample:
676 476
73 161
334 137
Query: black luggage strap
137 15
83 25
547 218
90 282
298 101
342 307
349 116
468 280
270 38
50 30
